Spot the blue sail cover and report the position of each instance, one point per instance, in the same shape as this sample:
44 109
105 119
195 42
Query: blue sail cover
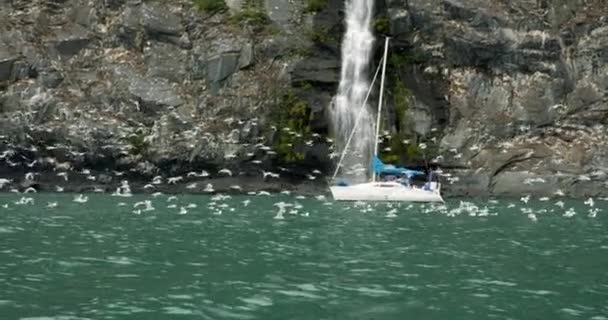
380 168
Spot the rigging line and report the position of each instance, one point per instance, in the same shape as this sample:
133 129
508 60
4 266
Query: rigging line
380 103
352 133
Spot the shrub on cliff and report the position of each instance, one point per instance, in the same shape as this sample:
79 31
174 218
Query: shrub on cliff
382 25
315 5
292 120
320 34
251 16
210 5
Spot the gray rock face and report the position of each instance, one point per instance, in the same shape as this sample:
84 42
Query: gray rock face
246 57
157 19
70 41
400 21
422 121
128 32
166 61
226 58
468 183
279 11
151 20
234 5
317 70
154 93
84 15
219 68
50 79
9 103
527 182
7 61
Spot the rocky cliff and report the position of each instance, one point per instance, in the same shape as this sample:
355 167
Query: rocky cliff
509 96
517 91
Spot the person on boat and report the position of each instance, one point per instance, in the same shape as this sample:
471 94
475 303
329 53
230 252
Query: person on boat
433 178
390 178
404 180
342 183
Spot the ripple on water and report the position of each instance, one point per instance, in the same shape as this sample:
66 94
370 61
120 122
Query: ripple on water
492 282
572 312
119 260
258 300
299 294
122 308
178 311
72 264
541 292
374 292
225 312
6 303
308 287
112 259
180 296
402 287
126 275
428 266
55 318
7 230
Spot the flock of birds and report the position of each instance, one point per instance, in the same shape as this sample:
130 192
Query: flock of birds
592 210
65 172
219 204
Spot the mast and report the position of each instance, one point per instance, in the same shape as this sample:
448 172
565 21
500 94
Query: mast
380 103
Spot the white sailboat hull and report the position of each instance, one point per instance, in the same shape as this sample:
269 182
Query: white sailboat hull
386 191
382 191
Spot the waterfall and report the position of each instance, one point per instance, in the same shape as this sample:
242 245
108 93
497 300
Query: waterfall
357 48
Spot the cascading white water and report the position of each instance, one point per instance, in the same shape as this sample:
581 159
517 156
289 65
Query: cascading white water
357 48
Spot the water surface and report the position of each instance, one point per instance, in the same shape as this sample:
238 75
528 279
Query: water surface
236 259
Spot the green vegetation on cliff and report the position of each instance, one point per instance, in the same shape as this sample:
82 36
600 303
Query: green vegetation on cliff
404 146
382 25
137 142
251 16
292 121
315 5
320 34
400 60
210 5
401 98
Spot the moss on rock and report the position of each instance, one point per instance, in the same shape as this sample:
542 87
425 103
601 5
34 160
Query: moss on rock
292 121
319 34
315 5
382 25
210 6
137 142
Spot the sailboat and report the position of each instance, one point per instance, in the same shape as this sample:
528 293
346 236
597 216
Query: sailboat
375 190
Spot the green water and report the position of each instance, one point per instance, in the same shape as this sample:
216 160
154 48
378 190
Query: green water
323 260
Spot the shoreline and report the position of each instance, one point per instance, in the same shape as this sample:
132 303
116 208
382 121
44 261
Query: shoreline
89 182
20 180
91 175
